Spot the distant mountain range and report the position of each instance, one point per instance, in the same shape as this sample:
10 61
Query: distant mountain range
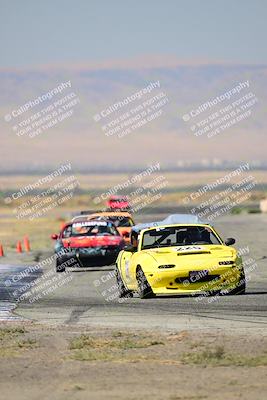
166 138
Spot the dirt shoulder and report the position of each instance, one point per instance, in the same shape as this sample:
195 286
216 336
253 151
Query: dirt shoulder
84 363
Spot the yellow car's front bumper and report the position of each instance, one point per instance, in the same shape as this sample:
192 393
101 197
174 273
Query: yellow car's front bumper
178 281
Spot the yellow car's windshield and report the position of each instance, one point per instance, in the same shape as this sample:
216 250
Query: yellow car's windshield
179 236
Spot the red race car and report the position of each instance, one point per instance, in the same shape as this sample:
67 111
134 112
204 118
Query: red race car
89 243
118 203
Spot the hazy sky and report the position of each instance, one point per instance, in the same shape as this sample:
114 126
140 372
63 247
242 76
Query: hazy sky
36 32
100 35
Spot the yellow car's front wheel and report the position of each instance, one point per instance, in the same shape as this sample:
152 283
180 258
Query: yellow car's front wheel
144 289
241 287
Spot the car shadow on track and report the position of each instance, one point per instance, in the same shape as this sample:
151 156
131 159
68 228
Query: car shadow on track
253 293
188 296
92 269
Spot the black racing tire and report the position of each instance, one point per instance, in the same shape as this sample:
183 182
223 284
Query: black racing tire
212 293
59 267
144 289
240 288
122 290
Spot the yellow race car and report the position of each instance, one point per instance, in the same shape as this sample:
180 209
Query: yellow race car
185 257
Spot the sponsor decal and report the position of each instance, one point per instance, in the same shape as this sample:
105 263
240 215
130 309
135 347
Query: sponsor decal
188 248
88 223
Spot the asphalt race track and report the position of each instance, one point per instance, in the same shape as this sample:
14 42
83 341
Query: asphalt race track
86 297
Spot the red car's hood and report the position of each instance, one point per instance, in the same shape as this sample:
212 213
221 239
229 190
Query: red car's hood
92 241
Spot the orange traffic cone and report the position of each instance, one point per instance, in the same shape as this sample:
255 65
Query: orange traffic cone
1 251
27 244
19 247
